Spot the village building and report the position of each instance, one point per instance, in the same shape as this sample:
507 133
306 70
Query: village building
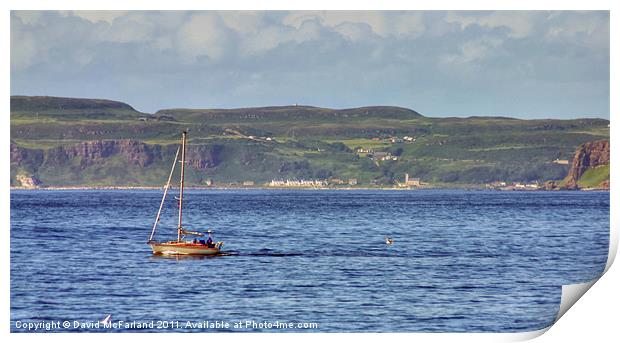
383 156
496 184
413 182
297 183
364 151
533 186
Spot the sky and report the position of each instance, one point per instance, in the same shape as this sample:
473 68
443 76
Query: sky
524 64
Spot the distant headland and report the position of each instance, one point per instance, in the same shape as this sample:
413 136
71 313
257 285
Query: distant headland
65 143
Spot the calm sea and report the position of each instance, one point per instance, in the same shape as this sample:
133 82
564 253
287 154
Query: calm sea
462 261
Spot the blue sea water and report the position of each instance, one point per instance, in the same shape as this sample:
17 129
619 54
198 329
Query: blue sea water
462 261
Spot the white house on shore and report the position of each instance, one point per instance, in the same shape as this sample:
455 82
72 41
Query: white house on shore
410 182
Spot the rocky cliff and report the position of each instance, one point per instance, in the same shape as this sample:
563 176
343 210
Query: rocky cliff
85 158
92 152
589 155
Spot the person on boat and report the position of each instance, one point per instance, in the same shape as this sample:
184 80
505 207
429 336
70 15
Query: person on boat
210 240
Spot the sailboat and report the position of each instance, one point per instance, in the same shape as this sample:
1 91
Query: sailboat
181 246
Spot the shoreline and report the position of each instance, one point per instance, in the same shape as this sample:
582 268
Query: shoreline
130 188
92 188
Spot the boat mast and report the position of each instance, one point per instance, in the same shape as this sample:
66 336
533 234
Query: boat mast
180 228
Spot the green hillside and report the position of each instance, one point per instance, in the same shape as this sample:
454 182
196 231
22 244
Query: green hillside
261 144
44 108
593 177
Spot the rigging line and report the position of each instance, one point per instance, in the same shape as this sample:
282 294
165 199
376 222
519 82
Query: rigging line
161 205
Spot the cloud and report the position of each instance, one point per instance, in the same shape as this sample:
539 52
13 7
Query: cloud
96 16
348 23
354 31
473 51
204 35
126 29
23 48
27 17
376 20
585 29
519 24
244 22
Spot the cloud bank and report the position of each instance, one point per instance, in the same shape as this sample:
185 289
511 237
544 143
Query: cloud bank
519 63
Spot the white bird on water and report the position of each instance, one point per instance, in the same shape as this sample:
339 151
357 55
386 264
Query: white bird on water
389 240
106 320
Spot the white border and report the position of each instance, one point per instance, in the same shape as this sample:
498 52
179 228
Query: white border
595 316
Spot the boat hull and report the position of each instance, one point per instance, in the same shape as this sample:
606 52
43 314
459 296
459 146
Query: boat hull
182 248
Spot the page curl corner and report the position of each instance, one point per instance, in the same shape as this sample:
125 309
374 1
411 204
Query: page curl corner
571 294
